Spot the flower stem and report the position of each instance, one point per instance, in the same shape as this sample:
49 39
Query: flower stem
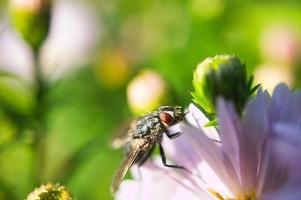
40 128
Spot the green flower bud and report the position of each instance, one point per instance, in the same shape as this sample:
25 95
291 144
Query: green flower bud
221 76
50 192
31 19
146 92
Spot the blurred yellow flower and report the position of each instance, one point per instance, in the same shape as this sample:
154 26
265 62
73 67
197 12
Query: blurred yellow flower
113 68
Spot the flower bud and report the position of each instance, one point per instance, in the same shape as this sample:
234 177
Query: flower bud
50 192
147 91
221 76
31 19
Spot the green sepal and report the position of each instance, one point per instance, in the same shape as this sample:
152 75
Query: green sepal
211 123
222 76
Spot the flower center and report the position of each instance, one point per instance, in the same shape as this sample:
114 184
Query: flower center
216 194
241 197
247 197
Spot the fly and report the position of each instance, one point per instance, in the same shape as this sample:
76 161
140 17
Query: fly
142 137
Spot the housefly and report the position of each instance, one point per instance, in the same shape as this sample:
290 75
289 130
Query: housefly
143 135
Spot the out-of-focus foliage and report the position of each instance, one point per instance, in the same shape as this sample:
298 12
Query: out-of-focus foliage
87 101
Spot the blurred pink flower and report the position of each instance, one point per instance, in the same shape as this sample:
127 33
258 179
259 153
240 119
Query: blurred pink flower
280 44
256 157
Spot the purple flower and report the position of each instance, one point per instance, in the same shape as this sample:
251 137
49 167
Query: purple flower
249 158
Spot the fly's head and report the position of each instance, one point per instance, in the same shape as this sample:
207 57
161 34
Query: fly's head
170 115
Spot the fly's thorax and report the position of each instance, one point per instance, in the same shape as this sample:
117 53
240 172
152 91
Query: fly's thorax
148 125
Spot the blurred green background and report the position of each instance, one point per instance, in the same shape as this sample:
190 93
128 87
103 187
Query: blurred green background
95 49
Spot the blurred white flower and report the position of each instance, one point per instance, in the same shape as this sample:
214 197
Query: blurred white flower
256 157
15 55
75 32
270 75
147 91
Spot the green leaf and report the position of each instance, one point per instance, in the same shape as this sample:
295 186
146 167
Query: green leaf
212 123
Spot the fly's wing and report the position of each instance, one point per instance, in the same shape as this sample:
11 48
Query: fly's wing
136 147
121 134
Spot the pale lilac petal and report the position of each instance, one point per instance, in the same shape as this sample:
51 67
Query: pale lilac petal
196 118
287 148
210 151
280 103
150 182
230 132
295 109
213 182
252 136
182 193
148 170
153 181
288 133
180 152
272 171
290 193
291 158
256 121
128 190
164 188
239 145
281 94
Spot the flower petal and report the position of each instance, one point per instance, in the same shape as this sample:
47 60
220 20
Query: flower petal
272 171
287 147
230 131
182 193
253 133
211 152
180 152
157 182
291 193
127 190
280 103
143 187
196 118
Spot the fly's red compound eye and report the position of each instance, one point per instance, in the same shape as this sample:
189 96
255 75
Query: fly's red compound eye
166 118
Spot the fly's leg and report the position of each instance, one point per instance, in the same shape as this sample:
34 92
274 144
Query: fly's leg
173 135
164 159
